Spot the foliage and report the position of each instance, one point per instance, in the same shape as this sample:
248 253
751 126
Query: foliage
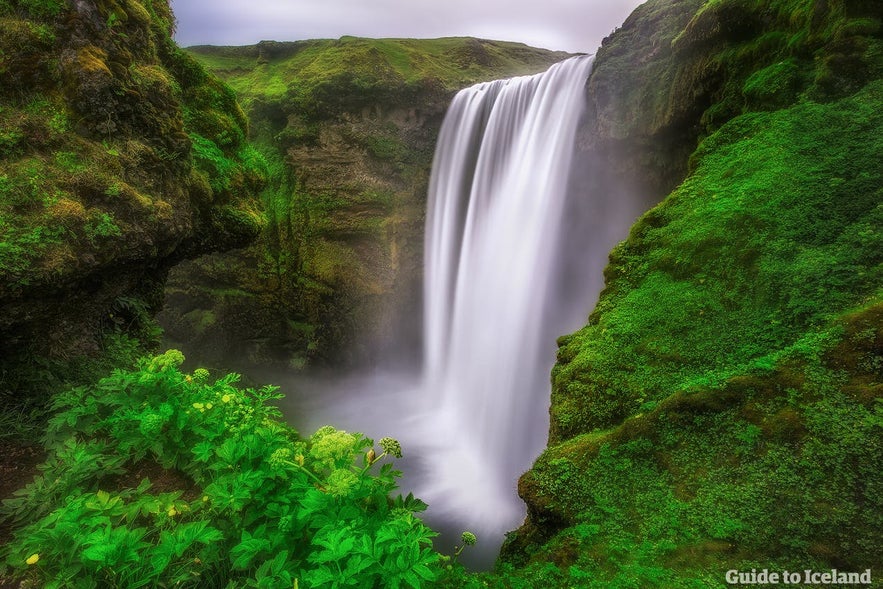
37 8
256 505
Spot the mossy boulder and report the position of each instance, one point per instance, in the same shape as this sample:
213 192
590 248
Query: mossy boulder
348 127
120 157
722 408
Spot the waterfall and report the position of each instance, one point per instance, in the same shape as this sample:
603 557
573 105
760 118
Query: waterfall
493 306
517 234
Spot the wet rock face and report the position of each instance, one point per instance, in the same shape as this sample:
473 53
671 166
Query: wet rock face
120 157
336 277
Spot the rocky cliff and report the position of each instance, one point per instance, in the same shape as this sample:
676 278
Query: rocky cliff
349 129
119 156
722 408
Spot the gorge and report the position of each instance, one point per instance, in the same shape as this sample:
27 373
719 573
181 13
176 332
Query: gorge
507 246
719 410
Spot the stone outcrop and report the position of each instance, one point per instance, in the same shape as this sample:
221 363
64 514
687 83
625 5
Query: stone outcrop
120 157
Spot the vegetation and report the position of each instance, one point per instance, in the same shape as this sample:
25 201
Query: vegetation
734 356
243 500
793 197
327 77
722 408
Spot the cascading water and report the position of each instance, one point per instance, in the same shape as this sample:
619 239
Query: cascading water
494 233
513 258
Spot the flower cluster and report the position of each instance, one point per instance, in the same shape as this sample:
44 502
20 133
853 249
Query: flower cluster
170 359
202 407
331 447
279 458
341 481
200 375
391 446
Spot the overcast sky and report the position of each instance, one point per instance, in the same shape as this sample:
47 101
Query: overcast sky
569 25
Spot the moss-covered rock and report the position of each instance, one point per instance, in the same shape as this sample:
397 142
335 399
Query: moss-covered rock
722 408
120 156
348 127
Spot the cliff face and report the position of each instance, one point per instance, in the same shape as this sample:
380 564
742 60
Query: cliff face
349 128
120 156
721 409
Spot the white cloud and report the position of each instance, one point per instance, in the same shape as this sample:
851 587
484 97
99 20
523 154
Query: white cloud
571 25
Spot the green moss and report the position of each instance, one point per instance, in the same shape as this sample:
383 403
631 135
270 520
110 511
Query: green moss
101 185
769 471
733 358
43 9
774 86
793 198
201 319
386 148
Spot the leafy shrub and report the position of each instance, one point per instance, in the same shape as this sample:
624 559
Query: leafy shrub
259 506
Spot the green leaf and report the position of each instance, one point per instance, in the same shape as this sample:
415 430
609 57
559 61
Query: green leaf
319 577
203 451
248 548
143 486
231 451
424 572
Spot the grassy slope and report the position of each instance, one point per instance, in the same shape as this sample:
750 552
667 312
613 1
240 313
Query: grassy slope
722 407
732 369
774 234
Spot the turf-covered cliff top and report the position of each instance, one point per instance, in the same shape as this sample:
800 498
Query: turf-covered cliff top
119 155
368 64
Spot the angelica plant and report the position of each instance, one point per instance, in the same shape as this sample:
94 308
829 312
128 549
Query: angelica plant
264 507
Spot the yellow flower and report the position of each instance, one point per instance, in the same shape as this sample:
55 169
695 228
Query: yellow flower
198 405
208 405
205 498
227 398
32 559
172 511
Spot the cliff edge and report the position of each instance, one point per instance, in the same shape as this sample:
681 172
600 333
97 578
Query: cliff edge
722 408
